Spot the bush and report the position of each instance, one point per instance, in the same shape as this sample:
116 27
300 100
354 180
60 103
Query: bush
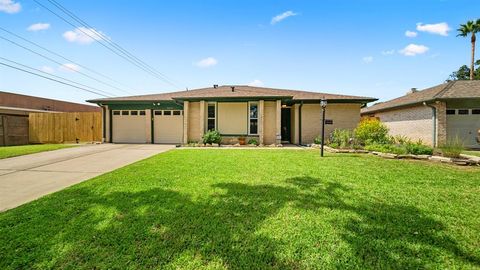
418 148
212 136
344 138
387 148
372 131
253 141
317 140
452 148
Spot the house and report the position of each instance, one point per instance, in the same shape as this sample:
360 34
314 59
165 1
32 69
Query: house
269 115
15 108
434 115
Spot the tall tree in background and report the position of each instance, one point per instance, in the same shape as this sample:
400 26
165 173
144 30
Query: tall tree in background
471 27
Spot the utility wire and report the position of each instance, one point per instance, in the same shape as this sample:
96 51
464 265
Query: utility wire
59 63
64 58
49 74
45 77
102 42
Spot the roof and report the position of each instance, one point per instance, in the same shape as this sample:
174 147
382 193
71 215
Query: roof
240 91
451 90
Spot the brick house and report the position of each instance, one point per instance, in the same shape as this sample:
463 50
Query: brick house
271 116
435 114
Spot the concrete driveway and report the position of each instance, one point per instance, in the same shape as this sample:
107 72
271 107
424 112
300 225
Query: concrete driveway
26 178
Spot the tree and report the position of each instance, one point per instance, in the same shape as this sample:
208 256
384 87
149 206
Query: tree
463 73
471 27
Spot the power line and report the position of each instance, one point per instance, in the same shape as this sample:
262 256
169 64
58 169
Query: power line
59 63
64 58
45 77
52 75
102 42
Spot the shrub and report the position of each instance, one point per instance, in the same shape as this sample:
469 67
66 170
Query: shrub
317 140
253 141
344 138
372 131
387 148
452 148
418 148
212 136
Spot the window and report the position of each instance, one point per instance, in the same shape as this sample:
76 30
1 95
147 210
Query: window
176 113
124 112
133 112
211 116
116 112
158 112
253 118
475 111
167 112
463 111
450 112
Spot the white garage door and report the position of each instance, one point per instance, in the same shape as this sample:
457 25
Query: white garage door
464 123
129 126
168 126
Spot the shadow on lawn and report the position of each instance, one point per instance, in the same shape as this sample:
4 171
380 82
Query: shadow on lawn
164 228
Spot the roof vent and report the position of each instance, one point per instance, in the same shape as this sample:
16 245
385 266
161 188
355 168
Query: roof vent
233 88
412 90
215 86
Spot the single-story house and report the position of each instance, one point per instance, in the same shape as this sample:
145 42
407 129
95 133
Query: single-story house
271 116
434 115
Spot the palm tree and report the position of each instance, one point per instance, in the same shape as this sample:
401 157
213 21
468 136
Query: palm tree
471 27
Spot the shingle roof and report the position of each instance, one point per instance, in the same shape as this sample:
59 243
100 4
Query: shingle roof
445 91
240 91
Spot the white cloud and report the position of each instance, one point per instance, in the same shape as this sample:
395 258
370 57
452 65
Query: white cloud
10 6
256 83
38 27
414 49
388 52
47 69
411 34
207 62
367 59
437 28
69 67
283 16
83 35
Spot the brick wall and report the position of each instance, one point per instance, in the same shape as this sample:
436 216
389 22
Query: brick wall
37 103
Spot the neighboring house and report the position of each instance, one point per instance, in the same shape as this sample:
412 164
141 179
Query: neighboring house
434 115
269 115
14 111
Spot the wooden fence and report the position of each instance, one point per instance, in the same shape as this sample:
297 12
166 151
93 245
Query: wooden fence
13 130
65 127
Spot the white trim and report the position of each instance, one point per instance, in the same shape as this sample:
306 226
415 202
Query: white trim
214 118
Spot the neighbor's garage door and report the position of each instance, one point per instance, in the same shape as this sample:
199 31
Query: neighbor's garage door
464 123
129 126
168 126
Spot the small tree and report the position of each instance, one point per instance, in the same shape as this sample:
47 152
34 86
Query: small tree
371 130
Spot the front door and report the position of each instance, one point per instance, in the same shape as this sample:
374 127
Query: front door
286 125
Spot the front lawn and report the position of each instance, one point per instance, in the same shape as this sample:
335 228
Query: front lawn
19 150
254 209
472 153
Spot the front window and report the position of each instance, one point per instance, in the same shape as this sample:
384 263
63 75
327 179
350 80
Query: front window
211 116
253 118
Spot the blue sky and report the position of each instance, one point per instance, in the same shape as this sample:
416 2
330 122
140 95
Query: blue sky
345 47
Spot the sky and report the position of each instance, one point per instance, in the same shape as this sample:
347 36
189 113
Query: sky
367 48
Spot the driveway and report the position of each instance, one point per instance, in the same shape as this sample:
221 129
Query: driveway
26 178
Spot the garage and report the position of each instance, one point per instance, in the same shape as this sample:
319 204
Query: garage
464 123
168 126
129 126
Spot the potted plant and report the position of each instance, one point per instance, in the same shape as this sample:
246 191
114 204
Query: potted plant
242 140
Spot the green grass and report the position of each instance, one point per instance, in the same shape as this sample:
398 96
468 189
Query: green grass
472 153
20 150
254 209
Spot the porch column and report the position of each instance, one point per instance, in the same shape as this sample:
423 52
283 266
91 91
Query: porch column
186 104
278 119
261 113
441 122
296 125
202 118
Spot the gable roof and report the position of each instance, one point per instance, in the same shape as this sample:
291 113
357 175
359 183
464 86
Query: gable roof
445 91
240 91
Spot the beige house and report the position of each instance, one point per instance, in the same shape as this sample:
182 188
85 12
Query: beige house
434 115
271 116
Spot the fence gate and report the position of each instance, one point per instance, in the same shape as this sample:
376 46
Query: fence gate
13 130
65 127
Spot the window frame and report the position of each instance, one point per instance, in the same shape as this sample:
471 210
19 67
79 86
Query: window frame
125 112
462 112
448 112
214 118
250 103
475 111
116 112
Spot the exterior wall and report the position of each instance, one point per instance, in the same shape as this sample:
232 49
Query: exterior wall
107 123
344 116
186 112
415 123
295 121
270 129
194 122
232 118
441 122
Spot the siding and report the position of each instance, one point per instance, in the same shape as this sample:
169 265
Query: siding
270 136
194 122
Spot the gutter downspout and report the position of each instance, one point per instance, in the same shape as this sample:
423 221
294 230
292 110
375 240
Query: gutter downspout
300 123
434 115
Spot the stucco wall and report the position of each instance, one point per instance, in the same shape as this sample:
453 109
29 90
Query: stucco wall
344 116
194 121
414 122
269 123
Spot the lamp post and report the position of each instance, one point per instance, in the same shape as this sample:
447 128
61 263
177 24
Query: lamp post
323 103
